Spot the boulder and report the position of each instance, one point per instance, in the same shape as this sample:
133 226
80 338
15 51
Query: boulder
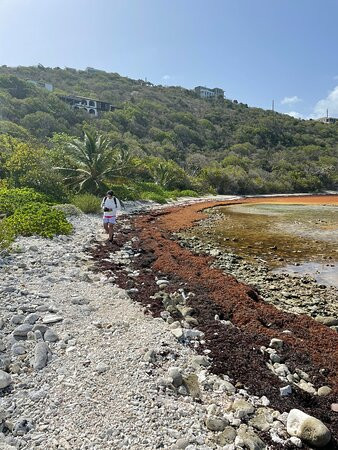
324 390
242 408
328 321
214 423
227 436
309 429
250 440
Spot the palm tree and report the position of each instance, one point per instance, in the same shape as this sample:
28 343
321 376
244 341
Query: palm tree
93 162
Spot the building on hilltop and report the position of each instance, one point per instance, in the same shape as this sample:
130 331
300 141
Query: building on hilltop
205 92
42 85
328 119
89 105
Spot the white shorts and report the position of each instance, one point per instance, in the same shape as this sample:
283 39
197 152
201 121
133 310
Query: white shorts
109 219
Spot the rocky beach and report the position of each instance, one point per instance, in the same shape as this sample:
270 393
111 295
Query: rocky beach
160 340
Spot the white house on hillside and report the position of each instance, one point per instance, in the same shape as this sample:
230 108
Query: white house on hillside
205 92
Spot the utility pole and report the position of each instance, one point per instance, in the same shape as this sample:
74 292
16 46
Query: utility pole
273 105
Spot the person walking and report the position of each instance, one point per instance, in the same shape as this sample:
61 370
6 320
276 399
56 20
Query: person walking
110 205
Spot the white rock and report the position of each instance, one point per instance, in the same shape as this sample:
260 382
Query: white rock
307 428
296 441
285 390
52 318
5 379
276 343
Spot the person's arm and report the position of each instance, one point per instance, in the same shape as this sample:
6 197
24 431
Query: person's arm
118 204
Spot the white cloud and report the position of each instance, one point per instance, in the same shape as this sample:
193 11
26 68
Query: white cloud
330 103
294 114
166 77
291 100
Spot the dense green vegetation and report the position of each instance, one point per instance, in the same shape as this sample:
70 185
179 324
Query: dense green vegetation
26 212
161 137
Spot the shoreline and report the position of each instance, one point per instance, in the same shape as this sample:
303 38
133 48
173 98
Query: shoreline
136 351
159 255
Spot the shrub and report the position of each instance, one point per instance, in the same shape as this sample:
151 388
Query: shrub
125 192
88 203
10 199
153 196
68 209
6 235
150 187
41 219
187 193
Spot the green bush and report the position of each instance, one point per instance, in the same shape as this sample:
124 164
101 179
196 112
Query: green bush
187 193
153 196
11 199
125 192
151 187
41 219
88 203
6 235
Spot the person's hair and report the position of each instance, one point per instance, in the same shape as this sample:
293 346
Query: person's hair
110 193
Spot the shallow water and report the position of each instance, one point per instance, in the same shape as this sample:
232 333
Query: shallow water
282 235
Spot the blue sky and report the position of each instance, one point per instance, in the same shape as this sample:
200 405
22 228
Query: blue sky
256 50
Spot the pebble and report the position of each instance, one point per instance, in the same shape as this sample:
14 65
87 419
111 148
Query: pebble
5 379
50 335
22 330
324 390
40 355
285 391
52 318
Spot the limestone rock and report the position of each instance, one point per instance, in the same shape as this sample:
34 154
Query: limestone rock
227 436
276 343
52 318
32 318
307 387
50 336
324 390
285 391
5 379
328 321
177 332
40 355
200 360
242 408
262 420
21 331
250 440
176 374
191 384
214 423
307 428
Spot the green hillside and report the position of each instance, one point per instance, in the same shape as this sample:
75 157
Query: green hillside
171 136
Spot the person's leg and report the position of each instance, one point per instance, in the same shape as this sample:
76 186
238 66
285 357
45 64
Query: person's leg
111 226
106 227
